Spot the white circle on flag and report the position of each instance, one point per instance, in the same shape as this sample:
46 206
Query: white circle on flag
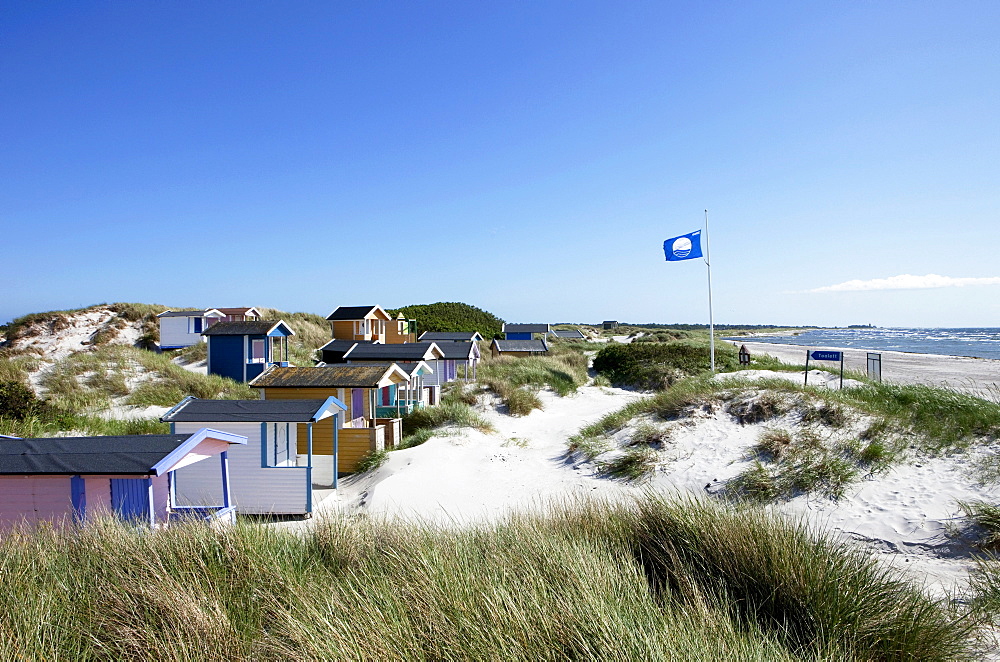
681 247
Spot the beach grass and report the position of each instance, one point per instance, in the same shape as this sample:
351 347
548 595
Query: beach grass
895 419
655 580
87 381
421 424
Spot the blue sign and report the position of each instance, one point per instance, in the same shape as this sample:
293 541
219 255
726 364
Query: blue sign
826 356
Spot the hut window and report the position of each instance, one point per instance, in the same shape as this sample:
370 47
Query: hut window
257 350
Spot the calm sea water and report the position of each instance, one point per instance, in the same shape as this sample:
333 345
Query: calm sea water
980 342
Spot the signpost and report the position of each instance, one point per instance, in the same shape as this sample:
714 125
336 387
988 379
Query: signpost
825 355
875 366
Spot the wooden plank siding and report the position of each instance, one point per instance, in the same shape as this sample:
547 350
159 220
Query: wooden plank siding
393 431
255 489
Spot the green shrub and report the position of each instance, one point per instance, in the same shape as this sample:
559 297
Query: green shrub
986 517
455 413
520 401
451 316
984 582
633 465
416 438
18 401
793 464
758 407
372 460
659 365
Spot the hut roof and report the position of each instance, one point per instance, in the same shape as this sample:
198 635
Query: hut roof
144 455
190 313
342 375
252 411
413 351
246 328
521 345
357 313
526 328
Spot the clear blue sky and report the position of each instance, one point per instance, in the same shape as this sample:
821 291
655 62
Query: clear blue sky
527 158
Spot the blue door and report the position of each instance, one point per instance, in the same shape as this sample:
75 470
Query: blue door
130 498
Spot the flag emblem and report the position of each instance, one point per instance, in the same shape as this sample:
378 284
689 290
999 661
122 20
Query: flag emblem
684 247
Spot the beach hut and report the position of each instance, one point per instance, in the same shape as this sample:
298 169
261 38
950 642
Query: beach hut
501 348
357 386
243 350
268 476
450 336
397 400
63 479
459 361
400 330
183 328
609 325
239 314
525 331
359 323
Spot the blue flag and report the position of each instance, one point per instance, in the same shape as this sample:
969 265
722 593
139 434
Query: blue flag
684 247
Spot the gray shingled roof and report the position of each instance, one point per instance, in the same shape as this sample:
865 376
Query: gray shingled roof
248 411
132 454
245 328
450 336
337 345
351 312
568 333
414 351
526 328
408 367
521 345
331 376
457 351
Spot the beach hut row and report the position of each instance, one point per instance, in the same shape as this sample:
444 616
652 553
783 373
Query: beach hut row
281 454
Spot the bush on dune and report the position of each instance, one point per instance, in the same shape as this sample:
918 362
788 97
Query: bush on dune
655 365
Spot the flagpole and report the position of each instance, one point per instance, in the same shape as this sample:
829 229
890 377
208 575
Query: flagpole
711 320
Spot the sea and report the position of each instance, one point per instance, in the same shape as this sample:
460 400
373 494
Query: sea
983 342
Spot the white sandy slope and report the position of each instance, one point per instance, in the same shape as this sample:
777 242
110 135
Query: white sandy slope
467 476
902 516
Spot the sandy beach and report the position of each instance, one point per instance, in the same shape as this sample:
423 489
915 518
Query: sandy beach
980 377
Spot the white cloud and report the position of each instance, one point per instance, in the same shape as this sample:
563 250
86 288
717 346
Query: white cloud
906 282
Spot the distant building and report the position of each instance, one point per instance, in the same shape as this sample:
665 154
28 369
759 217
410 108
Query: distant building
525 331
610 324
500 348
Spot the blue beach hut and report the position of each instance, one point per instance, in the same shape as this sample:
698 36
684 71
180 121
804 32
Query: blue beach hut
243 350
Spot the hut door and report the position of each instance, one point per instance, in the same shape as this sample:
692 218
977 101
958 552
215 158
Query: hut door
130 498
357 404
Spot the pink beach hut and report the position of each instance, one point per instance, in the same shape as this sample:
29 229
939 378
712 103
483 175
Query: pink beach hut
62 479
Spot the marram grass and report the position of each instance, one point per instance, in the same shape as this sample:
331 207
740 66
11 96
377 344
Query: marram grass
657 580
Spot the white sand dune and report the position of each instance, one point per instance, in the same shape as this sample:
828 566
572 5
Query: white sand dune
464 476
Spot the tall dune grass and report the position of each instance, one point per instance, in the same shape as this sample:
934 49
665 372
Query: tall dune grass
656 581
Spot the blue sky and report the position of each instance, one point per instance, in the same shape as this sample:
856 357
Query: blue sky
527 158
